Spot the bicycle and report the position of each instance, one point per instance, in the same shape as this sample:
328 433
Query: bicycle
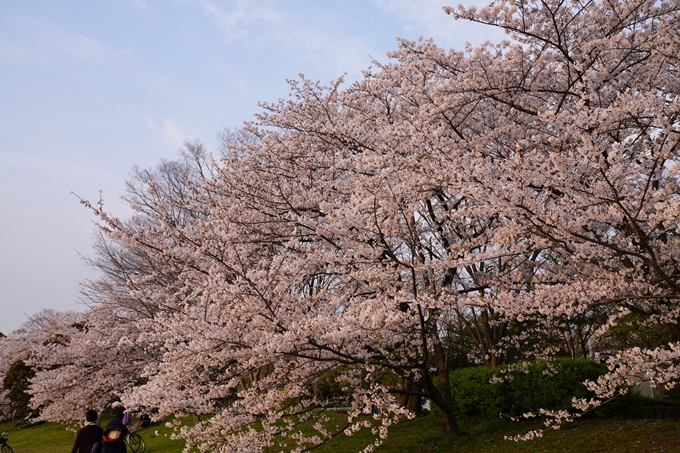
4 448
134 440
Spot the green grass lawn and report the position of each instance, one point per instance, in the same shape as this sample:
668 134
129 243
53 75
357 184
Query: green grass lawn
587 436
53 438
422 433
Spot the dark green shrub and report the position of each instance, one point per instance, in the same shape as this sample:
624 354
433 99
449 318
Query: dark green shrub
548 385
625 406
474 397
16 381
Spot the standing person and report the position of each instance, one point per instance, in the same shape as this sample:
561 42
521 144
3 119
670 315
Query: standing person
120 413
127 418
112 439
89 434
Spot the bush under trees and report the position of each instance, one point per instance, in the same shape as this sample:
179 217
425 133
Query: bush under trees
16 381
485 393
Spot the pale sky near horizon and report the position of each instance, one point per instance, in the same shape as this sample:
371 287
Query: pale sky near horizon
88 89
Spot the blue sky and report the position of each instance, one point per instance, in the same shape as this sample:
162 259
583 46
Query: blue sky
89 88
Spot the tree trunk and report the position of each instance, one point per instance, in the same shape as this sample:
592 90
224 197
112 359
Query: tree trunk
449 424
411 402
444 403
674 330
448 415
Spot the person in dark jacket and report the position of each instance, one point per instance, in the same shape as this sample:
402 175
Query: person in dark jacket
88 435
113 439
120 413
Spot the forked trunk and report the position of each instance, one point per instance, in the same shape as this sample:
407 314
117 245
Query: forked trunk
442 398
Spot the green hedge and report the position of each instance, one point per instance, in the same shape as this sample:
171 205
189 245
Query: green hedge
542 385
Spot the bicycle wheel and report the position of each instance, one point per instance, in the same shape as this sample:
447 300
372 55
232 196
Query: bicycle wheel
136 443
6 449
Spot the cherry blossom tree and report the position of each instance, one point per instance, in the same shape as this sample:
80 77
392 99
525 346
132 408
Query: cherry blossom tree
92 361
103 353
590 155
534 179
16 353
588 161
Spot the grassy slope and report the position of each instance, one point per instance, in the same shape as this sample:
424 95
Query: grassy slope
586 436
589 436
611 436
53 438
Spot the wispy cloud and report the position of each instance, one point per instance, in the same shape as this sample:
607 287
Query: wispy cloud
80 46
174 131
428 19
169 130
321 36
238 82
66 175
299 31
43 41
340 52
237 19
13 52
150 123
